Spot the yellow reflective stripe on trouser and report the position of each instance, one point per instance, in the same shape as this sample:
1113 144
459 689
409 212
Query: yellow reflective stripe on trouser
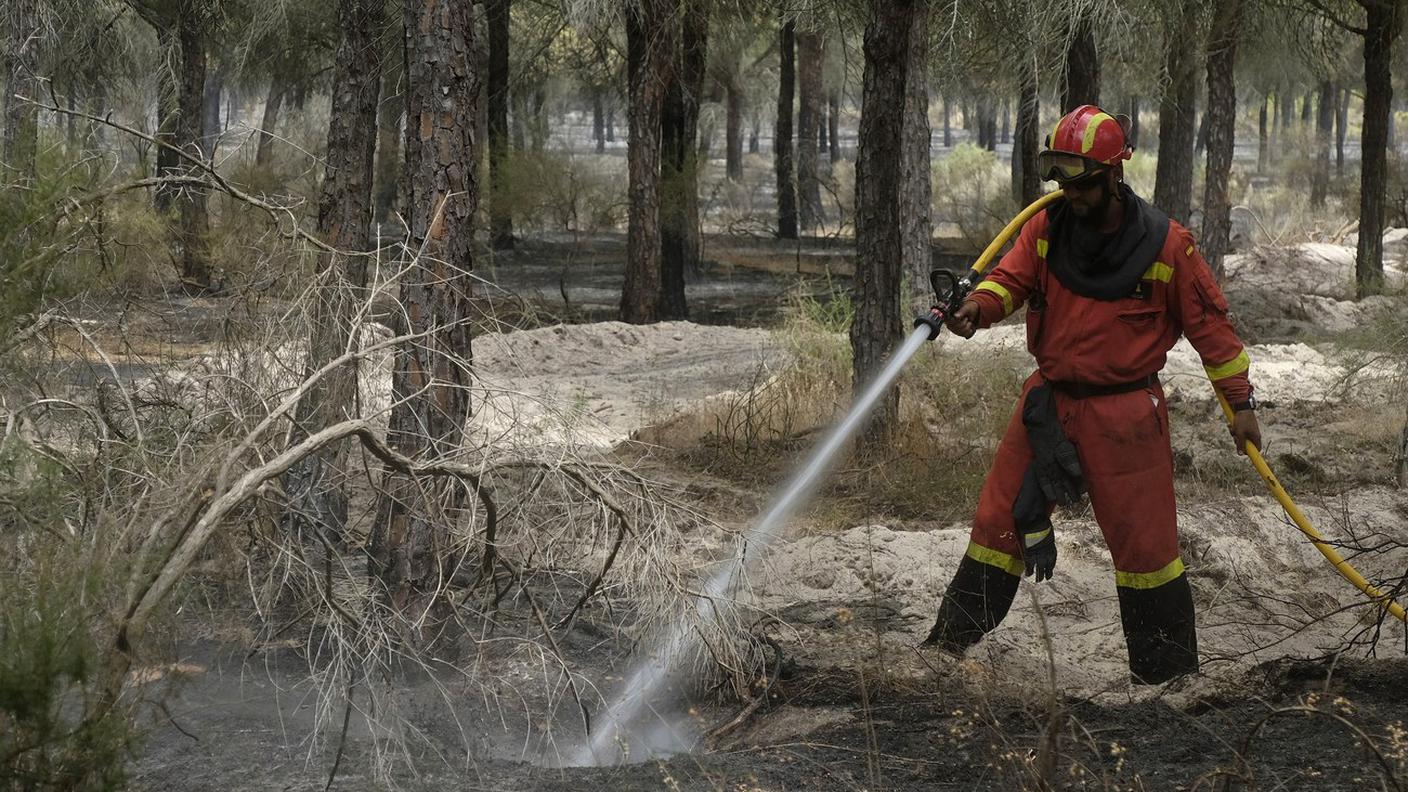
1234 366
1000 291
1041 248
1009 564
1148 580
1159 271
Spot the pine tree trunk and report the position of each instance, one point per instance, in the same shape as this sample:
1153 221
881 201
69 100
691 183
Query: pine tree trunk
809 98
389 161
733 131
1263 136
598 120
679 171
650 46
1306 103
1081 79
1384 24
1006 122
782 135
611 120
1221 118
1324 132
192 236
431 376
1201 138
21 142
1173 179
754 144
1026 182
316 485
948 124
210 124
268 125
168 117
834 126
892 190
1134 120
538 119
500 218
1341 122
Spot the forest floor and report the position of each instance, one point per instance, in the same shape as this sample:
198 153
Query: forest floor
1283 700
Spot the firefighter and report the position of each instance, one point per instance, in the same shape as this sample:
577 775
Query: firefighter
1110 283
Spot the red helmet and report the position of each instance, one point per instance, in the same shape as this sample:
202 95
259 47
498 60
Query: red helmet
1085 141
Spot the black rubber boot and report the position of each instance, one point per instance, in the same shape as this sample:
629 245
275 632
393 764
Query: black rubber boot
976 601
1159 631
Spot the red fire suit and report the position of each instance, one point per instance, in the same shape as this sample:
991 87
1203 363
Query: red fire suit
1095 353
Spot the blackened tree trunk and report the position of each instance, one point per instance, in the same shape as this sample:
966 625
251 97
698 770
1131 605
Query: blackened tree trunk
598 119
1341 122
649 68
680 158
1221 117
500 219
21 142
733 130
1263 135
892 190
948 124
754 144
782 134
316 485
833 125
1080 82
192 237
1173 179
210 112
1201 138
1324 130
1306 104
809 96
1384 23
1006 136
389 161
1026 182
273 105
430 378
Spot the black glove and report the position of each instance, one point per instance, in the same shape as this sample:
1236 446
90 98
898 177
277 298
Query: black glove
1034 531
1054 459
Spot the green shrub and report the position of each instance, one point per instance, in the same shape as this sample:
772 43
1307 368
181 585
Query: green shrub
972 191
553 191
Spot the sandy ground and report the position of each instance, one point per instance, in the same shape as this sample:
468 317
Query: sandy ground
857 602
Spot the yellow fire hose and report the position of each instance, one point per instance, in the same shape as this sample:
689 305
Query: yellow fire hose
1302 522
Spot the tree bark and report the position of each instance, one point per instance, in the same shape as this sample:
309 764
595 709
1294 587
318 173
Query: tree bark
316 485
1173 178
733 130
782 135
21 142
809 96
1134 120
598 120
1006 136
268 125
500 219
1306 105
679 171
192 237
649 67
948 124
1383 26
754 145
1026 182
892 189
389 161
431 375
211 127
1324 131
1221 118
1080 83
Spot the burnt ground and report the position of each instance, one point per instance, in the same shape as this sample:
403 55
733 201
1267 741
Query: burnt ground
233 719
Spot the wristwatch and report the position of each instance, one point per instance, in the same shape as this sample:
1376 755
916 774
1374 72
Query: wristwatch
1249 404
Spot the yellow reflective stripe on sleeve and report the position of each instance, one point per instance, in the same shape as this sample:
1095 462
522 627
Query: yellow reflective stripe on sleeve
1148 580
1000 291
1091 127
1159 271
1189 251
1034 539
986 555
1041 248
1234 366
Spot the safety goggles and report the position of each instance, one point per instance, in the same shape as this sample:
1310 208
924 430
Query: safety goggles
1067 169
